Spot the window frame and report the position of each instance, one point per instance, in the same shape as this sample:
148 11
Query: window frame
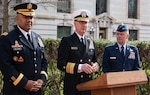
132 13
133 38
98 8
65 33
64 8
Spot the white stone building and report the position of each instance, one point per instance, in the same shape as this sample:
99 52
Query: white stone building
53 17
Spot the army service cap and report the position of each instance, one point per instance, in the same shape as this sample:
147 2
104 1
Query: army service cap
81 15
26 9
122 28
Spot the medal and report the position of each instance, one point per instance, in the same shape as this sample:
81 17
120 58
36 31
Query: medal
40 42
15 58
91 46
20 59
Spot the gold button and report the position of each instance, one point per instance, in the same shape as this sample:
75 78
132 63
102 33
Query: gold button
81 60
81 76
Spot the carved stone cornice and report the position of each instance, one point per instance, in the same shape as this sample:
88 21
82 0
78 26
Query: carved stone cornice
104 20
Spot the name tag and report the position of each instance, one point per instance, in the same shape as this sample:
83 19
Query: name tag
74 48
112 57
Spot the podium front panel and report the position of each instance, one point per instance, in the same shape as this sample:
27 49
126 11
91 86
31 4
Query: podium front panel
127 90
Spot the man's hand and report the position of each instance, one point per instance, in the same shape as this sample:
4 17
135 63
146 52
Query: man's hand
34 85
39 83
88 69
95 66
30 86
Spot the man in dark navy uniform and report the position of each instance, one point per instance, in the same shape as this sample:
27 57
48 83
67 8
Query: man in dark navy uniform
22 55
77 55
121 56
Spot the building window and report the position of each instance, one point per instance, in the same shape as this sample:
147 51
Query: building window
102 33
132 8
101 6
0 2
133 35
0 29
63 31
64 6
18 1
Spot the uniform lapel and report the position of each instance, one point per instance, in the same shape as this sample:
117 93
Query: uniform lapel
87 44
86 47
118 54
77 42
127 52
35 40
24 40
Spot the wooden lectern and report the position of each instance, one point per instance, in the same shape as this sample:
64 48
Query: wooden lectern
115 83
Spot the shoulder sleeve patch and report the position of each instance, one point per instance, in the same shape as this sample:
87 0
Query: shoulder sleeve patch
4 34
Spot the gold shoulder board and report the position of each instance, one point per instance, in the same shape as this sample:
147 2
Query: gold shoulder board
4 34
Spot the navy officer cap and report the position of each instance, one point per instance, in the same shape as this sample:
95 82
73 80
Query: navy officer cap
122 28
26 9
81 15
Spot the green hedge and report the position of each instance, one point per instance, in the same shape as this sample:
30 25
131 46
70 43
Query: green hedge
54 85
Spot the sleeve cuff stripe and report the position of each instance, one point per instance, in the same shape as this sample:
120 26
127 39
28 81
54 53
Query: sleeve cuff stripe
18 79
43 72
70 68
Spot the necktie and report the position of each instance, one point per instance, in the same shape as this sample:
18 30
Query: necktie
29 38
82 46
82 41
122 52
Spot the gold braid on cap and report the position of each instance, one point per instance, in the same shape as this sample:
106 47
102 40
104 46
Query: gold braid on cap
82 19
26 12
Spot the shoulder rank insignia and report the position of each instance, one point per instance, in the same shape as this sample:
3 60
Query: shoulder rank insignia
4 34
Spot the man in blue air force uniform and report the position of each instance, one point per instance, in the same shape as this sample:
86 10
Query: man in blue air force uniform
77 55
121 56
22 56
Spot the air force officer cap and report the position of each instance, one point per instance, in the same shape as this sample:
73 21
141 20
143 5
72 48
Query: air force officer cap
122 28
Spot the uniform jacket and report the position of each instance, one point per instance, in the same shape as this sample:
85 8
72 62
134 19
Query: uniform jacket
69 57
20 62
113 62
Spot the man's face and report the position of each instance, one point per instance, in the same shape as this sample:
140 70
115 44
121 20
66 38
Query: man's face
81 27
25 22
122 37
